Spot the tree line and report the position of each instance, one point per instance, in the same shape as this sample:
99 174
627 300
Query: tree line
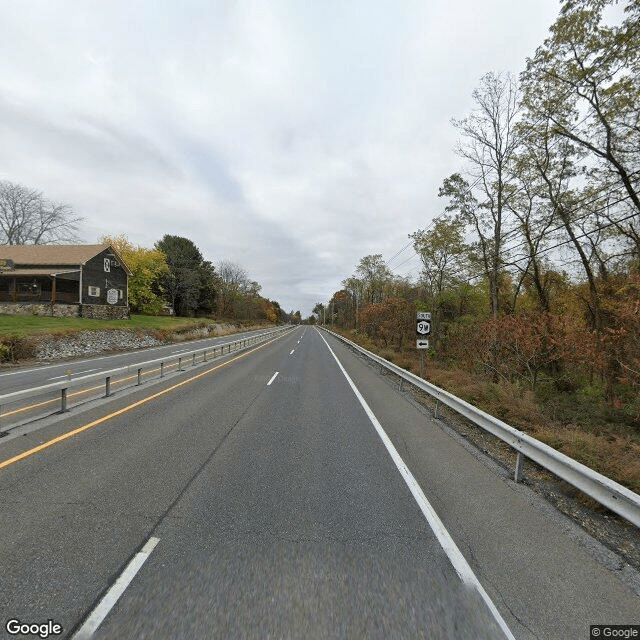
174 273
532 270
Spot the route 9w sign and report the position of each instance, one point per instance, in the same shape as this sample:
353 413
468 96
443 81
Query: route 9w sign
423 323
423 329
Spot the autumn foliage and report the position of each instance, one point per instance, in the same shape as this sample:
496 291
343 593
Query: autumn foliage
389 323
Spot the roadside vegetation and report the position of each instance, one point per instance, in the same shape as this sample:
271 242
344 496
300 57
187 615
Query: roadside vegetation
532 270
580 424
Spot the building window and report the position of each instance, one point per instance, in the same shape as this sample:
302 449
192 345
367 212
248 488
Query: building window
29 288
120 294
107 264
94 292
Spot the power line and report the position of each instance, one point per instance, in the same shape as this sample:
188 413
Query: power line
585 234
397 253
531 131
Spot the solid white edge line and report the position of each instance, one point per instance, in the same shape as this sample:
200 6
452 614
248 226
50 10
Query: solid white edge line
273 377
117 589
444 537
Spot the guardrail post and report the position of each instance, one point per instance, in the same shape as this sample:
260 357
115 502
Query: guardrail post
193 364
517 475
162 369
435 408
139 377
205 355
401 384
63 401
179 364
107 386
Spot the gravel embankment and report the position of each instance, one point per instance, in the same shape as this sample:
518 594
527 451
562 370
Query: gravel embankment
86 343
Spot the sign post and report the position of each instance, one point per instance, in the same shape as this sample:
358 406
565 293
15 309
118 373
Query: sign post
423 330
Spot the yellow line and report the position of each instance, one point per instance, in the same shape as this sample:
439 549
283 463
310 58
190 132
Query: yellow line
69 434
83 391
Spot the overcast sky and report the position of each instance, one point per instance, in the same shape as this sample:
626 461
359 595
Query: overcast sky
293 137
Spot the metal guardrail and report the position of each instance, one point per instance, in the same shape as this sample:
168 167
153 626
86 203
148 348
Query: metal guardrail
607 492
64 385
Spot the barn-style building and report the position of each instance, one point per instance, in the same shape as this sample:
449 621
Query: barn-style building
85 280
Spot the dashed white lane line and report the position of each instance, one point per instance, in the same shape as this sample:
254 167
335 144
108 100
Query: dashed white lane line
292 350
75 373
273 377
15 373
111 597
454 554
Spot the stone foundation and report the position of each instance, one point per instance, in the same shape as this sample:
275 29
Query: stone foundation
104 312
40 309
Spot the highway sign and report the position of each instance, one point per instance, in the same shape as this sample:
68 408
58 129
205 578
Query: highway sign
423 327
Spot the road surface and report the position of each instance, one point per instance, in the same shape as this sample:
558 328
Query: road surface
255 496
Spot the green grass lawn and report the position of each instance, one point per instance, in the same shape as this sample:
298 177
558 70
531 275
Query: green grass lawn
22 326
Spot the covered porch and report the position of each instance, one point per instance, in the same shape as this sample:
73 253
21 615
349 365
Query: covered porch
38 286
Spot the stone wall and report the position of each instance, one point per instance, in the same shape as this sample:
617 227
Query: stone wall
93 311
40 309
104 312
89 343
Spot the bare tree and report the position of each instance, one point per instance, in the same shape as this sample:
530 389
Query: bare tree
489 144
585 81
27 217
233 284
232 274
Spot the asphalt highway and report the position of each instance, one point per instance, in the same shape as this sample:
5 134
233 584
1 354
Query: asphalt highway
284 492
